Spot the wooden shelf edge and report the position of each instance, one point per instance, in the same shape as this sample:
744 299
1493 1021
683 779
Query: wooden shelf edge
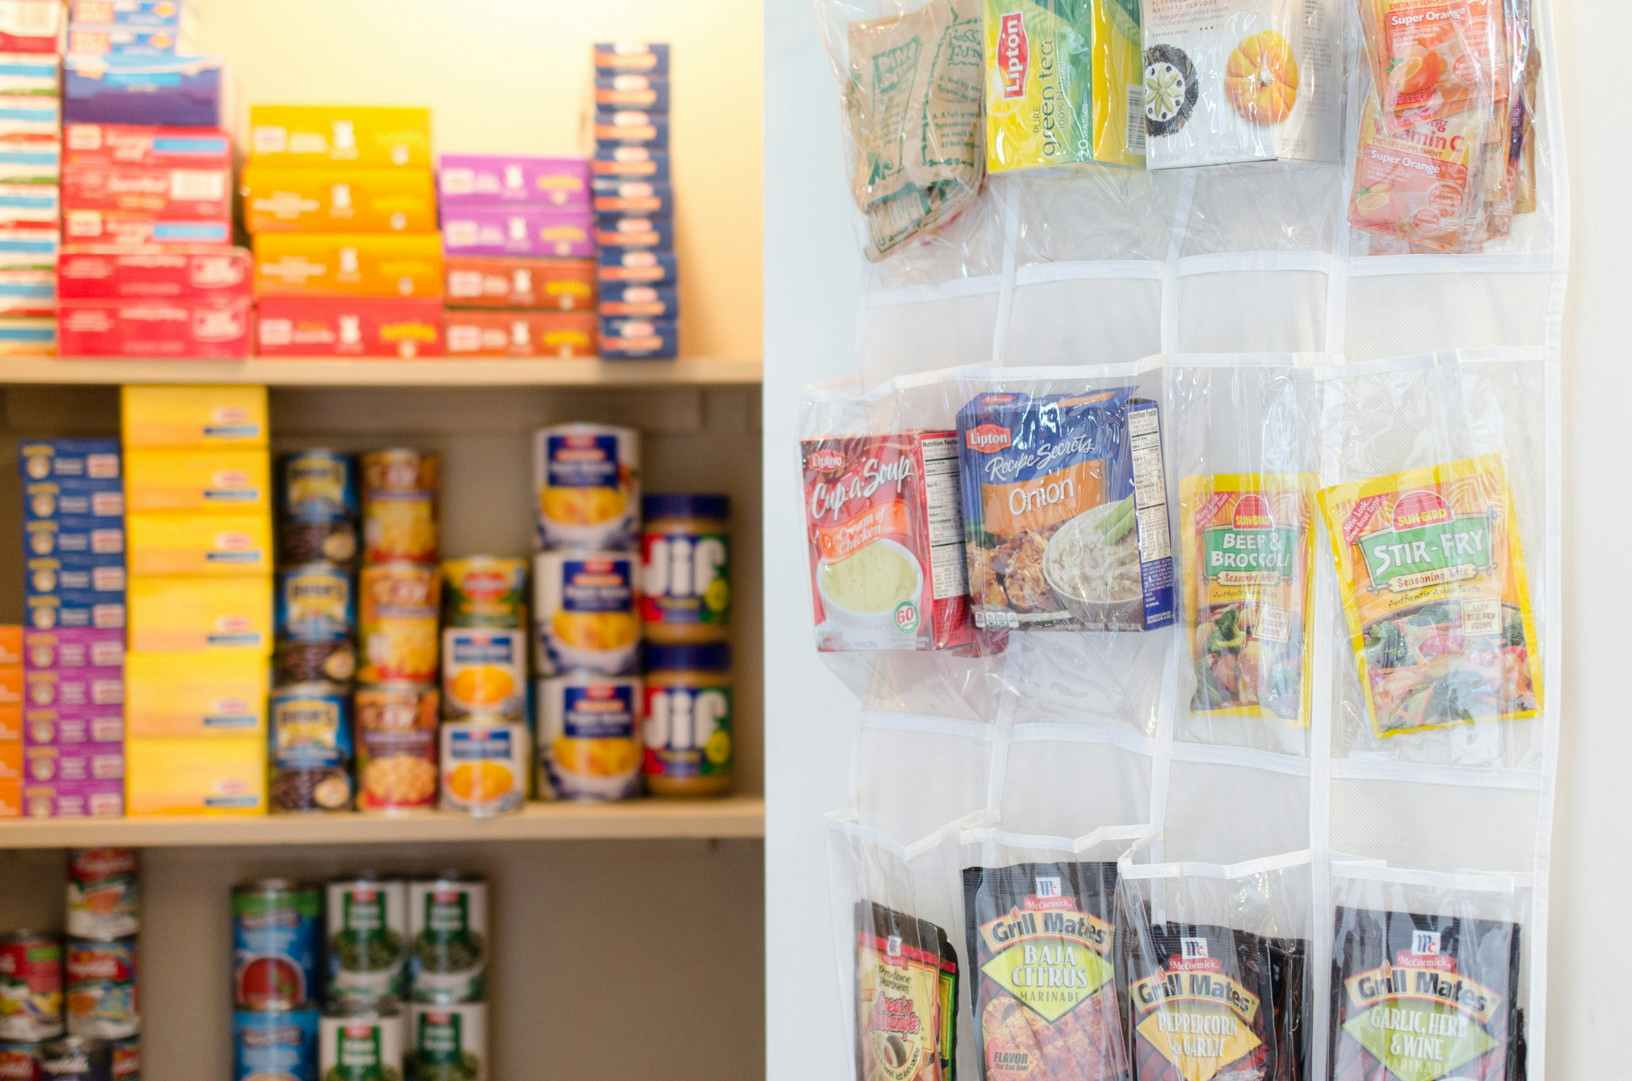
735 817
383 372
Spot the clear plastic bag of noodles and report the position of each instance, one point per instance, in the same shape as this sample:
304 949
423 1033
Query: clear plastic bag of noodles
1215 960
910 77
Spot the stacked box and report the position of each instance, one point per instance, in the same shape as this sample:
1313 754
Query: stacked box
11 720
131 29
198 492
30 175
518 238
132 62
73 638
342 207
633 202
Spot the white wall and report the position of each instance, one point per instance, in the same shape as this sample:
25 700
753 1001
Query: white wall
812 276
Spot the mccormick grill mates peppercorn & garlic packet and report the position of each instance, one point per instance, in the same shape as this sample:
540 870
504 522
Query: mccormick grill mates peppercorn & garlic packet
906 997
886 542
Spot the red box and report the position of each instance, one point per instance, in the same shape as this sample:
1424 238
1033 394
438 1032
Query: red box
129 144
520 334
169 192
348 327
197 329
498 281
32 26
100 272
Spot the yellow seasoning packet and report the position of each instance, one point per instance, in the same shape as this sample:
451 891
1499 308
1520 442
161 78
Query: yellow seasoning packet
1248 563
1431 575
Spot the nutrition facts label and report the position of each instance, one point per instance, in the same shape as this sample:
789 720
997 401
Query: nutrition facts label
948 575
1149 484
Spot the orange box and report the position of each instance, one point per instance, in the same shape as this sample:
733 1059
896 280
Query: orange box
519 334
348 265
342 200
500 281
11 760
11 799
11 645
11 723
11 686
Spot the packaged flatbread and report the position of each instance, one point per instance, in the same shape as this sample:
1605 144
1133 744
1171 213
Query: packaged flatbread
906 997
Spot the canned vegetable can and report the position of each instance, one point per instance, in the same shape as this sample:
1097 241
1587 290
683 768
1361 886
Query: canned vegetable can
484 766
317 485
450 1040
104 897
401 469
587 478
333 661
399 609
485 591
31 980
276 940
280 1044
367 919
102 1001
447 921
21 1060
362 1041
76 1058
310 735
314 602
127 1059
324 540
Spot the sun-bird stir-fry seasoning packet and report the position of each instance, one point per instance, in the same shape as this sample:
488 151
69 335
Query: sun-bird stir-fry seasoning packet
1432 579
906 997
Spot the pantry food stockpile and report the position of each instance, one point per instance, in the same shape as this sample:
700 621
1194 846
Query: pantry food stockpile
119 199
212 628
1188 536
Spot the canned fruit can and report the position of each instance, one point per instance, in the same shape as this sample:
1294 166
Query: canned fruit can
401 469
127 1059
30 986
484 672
276 939
485 591
367 921
280 1045
585 607
400 526
450 1041
334 661
104 893
589 737
20 1060
447 922
587 479
399 623
314 602
317 485
76 1058
396 769
484 767
102 1000
362 1041
331 540
310 737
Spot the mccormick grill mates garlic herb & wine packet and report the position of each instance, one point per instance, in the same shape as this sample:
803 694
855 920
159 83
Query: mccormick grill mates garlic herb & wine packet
1065 511
1431 575
886 542
906 997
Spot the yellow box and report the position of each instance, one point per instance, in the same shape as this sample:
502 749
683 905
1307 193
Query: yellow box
230 481
11 722
306 135
349 265
218 694
195 776
11 799
193 416
338 200
177 615
215 545
11 645
11 760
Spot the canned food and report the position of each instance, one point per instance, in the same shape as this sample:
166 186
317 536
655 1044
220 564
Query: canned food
587 478
334 661
275 944
450 1040
396 707
279 1045
485 591
30 986
317 485
314 602
396 769
127 1059
20 1060
447 921
399 623
102 989
326 540
367 919
309 731
362 1041
104 899
400 527
401 469
484 672
585 607
76 1058
484 767
589 737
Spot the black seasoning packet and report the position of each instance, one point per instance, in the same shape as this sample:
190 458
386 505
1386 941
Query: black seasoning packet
906 997
1045 995
1424 998
1289 976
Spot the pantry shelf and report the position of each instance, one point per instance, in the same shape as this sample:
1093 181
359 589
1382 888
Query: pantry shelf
736 817
384 372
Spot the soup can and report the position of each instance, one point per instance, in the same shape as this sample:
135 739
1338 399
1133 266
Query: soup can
309 730
76 1058
367 944
20 1060
585 605
323 540
450 1040
401 469
362 1039
276 940
587 479
280 1044
484 591
484 766
447 923
484 672
400 527
589 737
314 602
104 895
317 486
30 986
102 998
399 623
127 1059
332 661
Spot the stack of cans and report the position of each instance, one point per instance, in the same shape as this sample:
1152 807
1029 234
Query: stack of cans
276 941
362 1032
449 944
486 763
315 619
104 920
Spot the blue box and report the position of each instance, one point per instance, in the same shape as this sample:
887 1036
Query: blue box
640 339
639 302
620 267
613 128
101 578
621 162
69 459
610 195
181 91
72 611
123 40
27 251
633 231
74 536
100 501
632 91
29 74
631 58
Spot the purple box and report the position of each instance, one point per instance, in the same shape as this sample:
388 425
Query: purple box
518 231
73 688
60 765
486 180
73 727
74 799
75 536
81 648
181 91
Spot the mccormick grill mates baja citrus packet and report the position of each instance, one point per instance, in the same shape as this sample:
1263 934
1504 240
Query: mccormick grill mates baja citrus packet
1424 998
1248 552
1063 83
1045 1000
1065 511
906 997
886 542
1431 575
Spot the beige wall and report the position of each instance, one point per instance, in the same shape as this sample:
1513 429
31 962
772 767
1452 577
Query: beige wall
513 75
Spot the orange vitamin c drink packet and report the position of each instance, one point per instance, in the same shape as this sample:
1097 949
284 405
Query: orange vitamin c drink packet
1434 59
1421 184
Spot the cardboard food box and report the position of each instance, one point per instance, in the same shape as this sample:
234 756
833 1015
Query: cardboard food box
11 645
356 327
369 135
31 26
74 536
348 264
169 193
73 726
623 57
642 197
639 302
20 250
70 611
227 481
476 281
639 339
74 799
192 416
140 227
631 127
338 200
223 776
176 615
28 294
147 145
518 231
468 180
520 334
218 694
631 90
195 329
639 267
30 73
85 648
633 231
622 162
97 272
224 545
167 91
69 459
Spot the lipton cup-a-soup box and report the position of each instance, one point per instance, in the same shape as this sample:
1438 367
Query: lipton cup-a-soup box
485 281
217 328
468 180
338 200
105 272
349 326
520 334
348 264
146 145
531 231
307 135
